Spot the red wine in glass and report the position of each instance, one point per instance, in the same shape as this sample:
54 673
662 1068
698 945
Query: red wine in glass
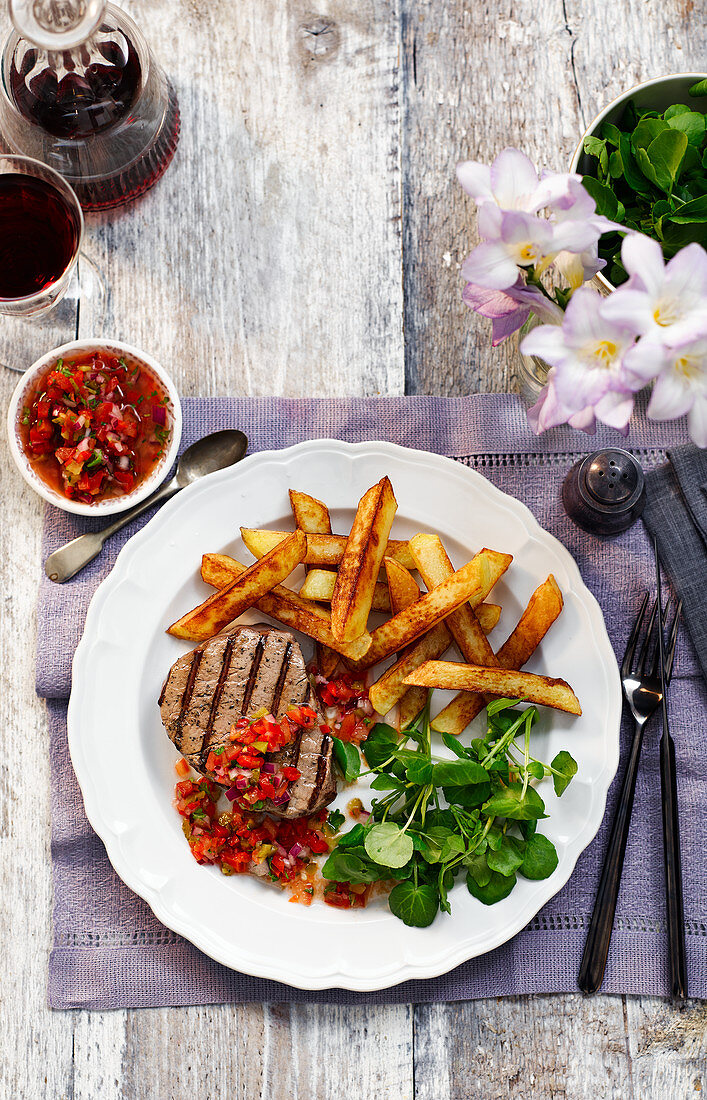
39 235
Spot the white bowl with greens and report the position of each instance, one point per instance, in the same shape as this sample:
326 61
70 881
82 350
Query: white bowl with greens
644 161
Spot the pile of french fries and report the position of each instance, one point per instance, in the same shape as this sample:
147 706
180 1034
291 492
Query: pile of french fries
349 576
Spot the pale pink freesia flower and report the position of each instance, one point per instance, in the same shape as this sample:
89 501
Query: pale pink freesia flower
509 309
514 240
587 353
510 182
660 298
548 412
677 360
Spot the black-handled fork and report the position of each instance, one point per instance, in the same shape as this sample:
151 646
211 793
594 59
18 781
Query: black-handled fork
671 828
643 693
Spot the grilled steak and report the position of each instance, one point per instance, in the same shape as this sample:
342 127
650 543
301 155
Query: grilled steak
234 675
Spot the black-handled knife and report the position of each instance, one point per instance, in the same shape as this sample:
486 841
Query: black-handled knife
671 827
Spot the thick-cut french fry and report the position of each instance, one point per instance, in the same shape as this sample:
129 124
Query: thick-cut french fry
402 587
390 688
312 516
358 570
321 549
287 607
543 608
434 566
319 585
410 705
472 582
488 615
545 690
224 606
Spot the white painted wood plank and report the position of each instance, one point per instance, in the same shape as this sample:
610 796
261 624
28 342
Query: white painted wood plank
667 1047
36 1046
268 260
319 1052
477 78
519 1047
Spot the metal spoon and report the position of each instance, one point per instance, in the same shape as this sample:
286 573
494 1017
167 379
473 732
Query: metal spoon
213 452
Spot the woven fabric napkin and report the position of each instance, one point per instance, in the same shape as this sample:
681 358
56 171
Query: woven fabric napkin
110 951
676 515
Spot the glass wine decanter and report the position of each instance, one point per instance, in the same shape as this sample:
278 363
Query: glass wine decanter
81 91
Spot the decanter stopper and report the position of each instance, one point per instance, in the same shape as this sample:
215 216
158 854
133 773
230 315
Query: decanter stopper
56 24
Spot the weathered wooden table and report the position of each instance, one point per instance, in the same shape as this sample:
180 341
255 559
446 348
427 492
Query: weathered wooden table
307 241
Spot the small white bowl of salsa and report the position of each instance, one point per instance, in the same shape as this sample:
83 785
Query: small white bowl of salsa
95 426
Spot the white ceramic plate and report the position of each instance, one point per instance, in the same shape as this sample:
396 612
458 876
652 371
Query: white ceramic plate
124 761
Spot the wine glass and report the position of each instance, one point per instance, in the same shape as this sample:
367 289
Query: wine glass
44 277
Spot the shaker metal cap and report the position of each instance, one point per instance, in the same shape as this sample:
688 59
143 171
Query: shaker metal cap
56 24
611 480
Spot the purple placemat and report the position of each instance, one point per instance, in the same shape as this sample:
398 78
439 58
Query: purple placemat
110 951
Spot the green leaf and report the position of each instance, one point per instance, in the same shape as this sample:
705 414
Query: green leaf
511 802
497 887
388 845
353 838
633 176
676 109
508 857
660 162
497 705
540 857
646 132
691 124
694 211
595 147
385 782
416 906
698 89
565 764
604 198
611 133
419 769
343 866
470 796
378 746
536 770
616 167
477 864
336 819
348 758
494 837
458 773
454 746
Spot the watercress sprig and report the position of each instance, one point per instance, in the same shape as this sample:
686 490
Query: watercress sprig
476 813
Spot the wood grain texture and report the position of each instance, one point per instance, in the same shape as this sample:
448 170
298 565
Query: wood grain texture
267 260
313 183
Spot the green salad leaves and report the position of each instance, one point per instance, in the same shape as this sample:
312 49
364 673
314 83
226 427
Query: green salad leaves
650 175
476 815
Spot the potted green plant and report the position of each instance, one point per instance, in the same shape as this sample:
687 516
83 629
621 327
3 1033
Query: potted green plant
644 161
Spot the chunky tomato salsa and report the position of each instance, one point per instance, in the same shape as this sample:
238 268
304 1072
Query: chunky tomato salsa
94 426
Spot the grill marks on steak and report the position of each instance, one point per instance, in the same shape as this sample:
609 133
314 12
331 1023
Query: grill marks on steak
236 674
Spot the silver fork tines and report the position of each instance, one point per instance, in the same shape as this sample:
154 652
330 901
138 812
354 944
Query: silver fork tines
641 678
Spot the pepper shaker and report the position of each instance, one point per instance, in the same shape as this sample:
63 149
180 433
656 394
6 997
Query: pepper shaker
605 492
